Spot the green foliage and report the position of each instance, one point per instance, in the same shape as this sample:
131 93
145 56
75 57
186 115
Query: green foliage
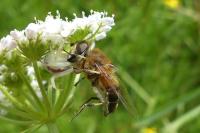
33 50
79 35
158 49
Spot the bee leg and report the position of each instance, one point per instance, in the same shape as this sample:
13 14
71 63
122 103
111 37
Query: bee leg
77 70
87 104
91 71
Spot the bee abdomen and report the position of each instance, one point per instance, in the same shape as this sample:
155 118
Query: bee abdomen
112 98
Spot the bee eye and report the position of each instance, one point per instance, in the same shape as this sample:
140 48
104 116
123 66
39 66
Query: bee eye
81 48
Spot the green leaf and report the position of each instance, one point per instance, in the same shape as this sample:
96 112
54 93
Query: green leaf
168 108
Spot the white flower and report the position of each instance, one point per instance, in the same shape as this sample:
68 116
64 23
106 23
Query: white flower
52 28
105 28
7 43
33 81
3 68
98 23
100 36
18 36
33 30
53 25
53 38
56 30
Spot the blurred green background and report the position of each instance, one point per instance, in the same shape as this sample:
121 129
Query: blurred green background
155 47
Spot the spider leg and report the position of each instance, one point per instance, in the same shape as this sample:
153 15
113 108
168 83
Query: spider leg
82 78
55 76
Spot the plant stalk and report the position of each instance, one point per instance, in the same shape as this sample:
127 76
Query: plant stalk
52 127
42 89
38 102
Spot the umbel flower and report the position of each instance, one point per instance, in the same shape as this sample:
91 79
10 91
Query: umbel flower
26 93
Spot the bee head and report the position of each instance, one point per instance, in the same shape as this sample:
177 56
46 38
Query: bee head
81 49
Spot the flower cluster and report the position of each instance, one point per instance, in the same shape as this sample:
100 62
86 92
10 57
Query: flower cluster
57 31
27 91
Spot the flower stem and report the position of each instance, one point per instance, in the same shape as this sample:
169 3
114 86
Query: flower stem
16 112
136 87
18 104
63 95
16 121
10 97
42 89
192 114
93 35
68 98
24 78
52 127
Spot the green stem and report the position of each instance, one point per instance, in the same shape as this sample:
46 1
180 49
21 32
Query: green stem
16 112
10 97
31 90
21 122
52 127
136 87
42 89
17 104
166 109
71 93
63 96
93 35
192 114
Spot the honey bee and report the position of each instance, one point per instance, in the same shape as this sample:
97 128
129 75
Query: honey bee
97 67
100 71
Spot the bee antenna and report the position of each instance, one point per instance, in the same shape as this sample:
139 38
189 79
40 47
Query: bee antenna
68 52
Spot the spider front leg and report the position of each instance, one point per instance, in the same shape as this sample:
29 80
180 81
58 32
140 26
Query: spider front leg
76 83
60 74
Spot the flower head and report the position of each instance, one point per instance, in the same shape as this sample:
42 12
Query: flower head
33 30
7 43
98 24
18 36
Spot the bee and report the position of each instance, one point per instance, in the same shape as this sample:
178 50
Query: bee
99 70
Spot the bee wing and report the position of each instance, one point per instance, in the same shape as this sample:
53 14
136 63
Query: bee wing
128 105
125 104
127 101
